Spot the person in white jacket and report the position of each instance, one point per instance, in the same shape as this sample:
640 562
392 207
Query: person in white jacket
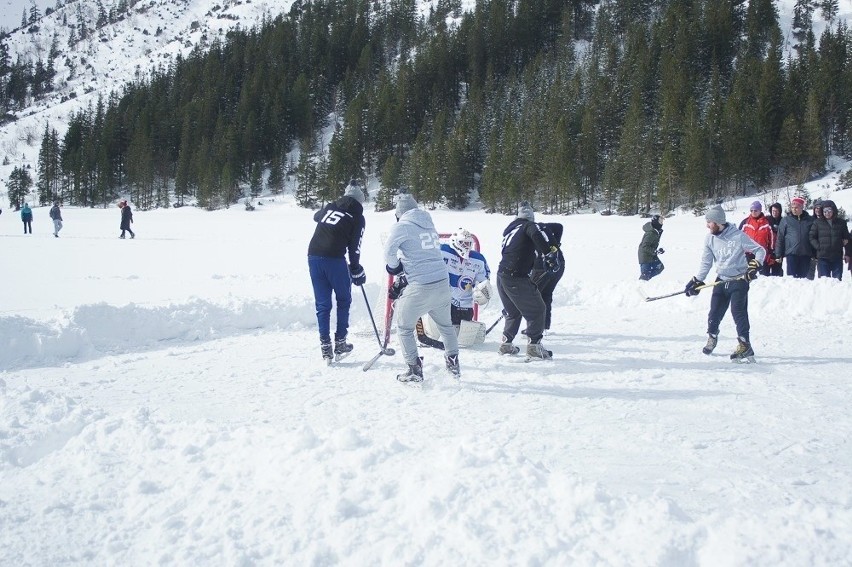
413 255
726 247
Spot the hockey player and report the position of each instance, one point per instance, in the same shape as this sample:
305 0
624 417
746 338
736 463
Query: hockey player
521 240
544 277
340 227
727 246
469 274
413 255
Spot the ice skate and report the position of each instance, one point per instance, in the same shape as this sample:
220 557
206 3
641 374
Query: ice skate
507 347
743 352
327 352
711 344
536 351
452 361
342 349
414 374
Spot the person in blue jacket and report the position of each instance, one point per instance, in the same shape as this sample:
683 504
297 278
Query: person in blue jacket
27 218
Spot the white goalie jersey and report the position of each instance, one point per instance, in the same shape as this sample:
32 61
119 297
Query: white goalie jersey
465 275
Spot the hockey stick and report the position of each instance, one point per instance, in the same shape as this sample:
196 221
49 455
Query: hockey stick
494 324
681 292
384 349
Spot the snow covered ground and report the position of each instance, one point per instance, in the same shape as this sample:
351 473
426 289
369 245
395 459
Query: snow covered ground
163 400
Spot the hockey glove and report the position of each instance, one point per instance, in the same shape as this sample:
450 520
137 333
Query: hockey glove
397 288
358 276
395 271
551 260
660 251
482 293
692 285
751 272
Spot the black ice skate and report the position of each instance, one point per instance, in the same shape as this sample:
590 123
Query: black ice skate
711 344
414 374
327 352
452 361
342 348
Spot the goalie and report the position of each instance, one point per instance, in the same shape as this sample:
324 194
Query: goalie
469 283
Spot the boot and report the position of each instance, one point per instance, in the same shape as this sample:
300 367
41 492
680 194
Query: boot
711 343
537 350
507 347
743 351
452 361
327 352
342 347
414 374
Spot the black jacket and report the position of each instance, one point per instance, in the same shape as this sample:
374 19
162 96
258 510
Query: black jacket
521 240
340 226
827 238
126 217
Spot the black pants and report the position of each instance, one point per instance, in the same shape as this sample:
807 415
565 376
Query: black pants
546 281
735 294
521 298
28 226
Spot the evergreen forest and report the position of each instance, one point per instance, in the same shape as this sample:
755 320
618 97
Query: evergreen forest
626 106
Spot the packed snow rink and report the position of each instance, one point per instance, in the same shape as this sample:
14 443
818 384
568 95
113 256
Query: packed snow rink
163 400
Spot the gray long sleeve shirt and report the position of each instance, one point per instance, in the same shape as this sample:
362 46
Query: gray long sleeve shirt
728 251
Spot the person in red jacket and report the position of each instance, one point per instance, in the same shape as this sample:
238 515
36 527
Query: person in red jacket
758 229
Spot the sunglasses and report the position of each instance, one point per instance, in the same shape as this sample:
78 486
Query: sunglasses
827 210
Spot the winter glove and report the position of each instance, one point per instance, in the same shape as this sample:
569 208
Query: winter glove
690 288
551 260
482 293
396 289
395 271
660 251
751 272
358 276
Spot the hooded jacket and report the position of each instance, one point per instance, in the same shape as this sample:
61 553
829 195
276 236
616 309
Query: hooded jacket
340 228
650 243
727 250
521 240
827 236
415 242
26 213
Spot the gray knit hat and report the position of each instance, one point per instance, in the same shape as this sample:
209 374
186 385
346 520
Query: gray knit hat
355 192
404 203
715 214
525 211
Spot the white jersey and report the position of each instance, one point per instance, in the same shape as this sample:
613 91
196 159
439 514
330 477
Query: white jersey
464 274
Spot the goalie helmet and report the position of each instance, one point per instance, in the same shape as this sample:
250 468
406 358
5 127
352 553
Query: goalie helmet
462 241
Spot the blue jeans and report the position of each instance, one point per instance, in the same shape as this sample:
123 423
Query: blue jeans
798 266
735 295
327 275
650 270
830 268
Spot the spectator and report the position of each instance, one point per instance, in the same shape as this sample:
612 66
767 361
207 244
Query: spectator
126 219
649 249
27 218
829 237
794 239
56 215
757 227
774 220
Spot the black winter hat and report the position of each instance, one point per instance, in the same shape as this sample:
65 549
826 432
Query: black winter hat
776 206
828 204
